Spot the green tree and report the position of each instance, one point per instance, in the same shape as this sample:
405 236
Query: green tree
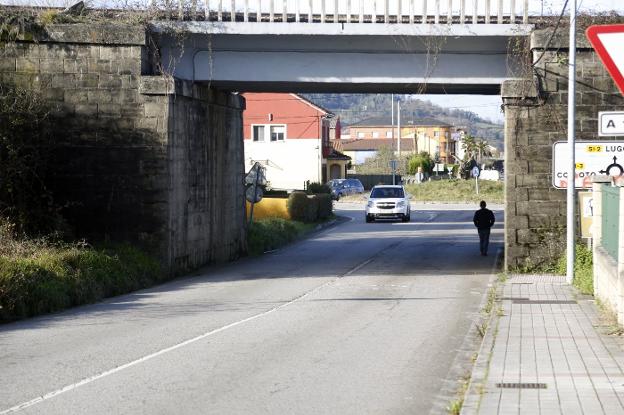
380 163
482 149
420 160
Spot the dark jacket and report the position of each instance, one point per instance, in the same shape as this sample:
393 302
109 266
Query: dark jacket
483 218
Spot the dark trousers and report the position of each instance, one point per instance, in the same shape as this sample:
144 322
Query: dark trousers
484 239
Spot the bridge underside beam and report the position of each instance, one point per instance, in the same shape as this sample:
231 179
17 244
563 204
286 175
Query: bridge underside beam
464 59
358 88
352 72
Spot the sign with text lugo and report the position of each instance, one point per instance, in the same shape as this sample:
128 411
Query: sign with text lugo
610 123
592 158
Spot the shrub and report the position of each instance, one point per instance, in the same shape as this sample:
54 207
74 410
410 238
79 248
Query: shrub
267 234
298 206
583 269
312 209
315 188
325 206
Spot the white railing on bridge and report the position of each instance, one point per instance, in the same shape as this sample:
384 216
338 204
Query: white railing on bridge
355 11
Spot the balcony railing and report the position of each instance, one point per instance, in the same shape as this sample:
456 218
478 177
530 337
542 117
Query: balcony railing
444 12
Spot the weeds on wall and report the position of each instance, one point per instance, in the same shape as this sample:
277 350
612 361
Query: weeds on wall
26 148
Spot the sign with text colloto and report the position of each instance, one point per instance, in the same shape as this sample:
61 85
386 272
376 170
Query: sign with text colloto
592 158
608 42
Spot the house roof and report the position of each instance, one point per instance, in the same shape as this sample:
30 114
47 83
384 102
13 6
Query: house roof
337 155
312 104
372 144
405 122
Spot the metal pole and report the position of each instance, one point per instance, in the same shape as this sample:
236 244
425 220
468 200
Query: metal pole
571 133
399 129
392 115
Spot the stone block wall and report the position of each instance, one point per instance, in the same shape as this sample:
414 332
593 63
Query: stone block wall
535 118
138 157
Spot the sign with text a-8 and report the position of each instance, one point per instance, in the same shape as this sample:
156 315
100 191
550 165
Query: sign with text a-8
610 123
592 158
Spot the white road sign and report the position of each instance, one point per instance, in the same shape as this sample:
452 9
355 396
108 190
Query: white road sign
592 158
610 123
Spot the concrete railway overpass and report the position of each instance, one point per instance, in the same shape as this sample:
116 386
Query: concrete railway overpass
356 46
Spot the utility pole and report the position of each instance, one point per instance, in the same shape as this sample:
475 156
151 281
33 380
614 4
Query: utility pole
571 240
392 112
399 129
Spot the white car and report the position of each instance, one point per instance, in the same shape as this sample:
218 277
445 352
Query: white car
388 202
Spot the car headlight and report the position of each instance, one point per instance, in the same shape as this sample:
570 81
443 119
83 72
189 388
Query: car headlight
401 203
370 203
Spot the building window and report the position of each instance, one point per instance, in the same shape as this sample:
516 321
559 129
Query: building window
258 133
277 132
388 134
360 134
375 134
436 134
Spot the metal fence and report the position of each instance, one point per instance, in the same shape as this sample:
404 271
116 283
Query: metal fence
610 220
354 11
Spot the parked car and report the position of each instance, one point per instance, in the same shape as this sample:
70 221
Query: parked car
338 188
355 185
388 202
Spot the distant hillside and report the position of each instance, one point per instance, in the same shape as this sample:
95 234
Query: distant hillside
355 107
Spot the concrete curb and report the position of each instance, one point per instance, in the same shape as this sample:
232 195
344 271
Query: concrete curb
463 363
478 378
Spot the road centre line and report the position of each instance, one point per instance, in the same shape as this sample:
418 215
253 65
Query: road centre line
117 369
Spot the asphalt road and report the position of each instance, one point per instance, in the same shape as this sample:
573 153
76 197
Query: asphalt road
358 319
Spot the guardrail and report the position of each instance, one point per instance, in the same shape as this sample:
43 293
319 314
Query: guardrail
355 11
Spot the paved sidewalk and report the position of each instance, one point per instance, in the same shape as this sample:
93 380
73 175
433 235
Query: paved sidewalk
546 355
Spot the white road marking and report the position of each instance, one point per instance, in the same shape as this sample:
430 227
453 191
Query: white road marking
117 369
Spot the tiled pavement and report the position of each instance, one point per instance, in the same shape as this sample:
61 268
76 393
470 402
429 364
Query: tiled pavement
551 344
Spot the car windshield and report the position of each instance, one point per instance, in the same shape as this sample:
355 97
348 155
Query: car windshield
336 183
386 192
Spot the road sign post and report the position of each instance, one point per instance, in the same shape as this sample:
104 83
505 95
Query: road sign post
255 178
475 172
393 166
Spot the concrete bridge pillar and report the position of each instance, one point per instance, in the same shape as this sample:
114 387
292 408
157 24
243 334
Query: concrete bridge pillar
138 157
535 118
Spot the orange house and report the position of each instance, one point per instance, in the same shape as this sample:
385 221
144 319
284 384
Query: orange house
290 136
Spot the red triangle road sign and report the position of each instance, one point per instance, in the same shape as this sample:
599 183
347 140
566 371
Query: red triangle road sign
608 42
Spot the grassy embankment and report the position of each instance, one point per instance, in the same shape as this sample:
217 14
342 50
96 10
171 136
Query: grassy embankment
459 191
40 276
449 191
272 233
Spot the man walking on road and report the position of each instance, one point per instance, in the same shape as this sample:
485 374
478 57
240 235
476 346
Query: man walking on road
483 220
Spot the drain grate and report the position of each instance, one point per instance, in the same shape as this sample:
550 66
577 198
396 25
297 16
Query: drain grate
515 298
509 385
527 301
522 283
